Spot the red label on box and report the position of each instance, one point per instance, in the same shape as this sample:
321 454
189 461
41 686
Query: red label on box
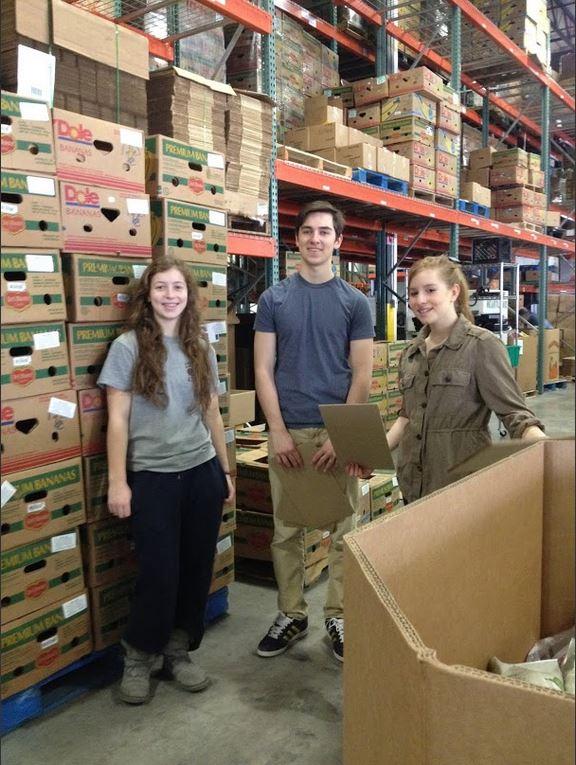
36 589
196 185
13 224
200 246
18 301
7 144
23 376
48 657
37 520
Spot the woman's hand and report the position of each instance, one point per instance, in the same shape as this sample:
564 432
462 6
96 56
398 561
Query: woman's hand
119 499
357 471
231 491
533 433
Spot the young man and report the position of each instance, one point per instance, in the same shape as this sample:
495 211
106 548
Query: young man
313 345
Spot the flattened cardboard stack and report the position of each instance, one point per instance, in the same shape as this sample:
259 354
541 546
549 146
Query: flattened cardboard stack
248 151
188 107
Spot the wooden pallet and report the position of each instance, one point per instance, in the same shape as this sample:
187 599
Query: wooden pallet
428 196
242 224
289 154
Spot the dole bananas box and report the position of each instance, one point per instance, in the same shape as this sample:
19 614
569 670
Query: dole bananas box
187 231
175 170
34 359
88 344
38 645
105 221
32 288
42 572
27 142
41 502
97 288
100 153
30 215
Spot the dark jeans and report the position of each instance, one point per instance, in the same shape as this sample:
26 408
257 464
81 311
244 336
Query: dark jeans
175 522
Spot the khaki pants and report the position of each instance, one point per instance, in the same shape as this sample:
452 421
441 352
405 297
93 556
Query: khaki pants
288 544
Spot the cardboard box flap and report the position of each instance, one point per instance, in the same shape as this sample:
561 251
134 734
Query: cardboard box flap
358 434
219 87
258 96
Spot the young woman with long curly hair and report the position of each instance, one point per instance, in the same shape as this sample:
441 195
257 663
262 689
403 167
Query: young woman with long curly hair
168 470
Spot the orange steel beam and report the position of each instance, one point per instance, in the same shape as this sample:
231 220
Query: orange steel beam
245 13
299 175
251 245
308 19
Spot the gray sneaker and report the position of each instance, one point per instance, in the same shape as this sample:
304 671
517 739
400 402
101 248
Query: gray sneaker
178 663
138 666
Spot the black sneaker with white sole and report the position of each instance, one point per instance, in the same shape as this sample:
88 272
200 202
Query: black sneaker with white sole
335 629
281 635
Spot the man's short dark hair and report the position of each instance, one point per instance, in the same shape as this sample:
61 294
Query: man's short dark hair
523 312
321 206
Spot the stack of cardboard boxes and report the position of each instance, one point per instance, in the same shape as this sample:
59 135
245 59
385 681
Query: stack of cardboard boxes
384 388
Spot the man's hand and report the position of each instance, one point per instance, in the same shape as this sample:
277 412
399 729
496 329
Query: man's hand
325 458
119 499
285 450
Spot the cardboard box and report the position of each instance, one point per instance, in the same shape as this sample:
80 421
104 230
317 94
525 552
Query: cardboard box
211 281
30 211
190 232
27 141
333 134
417 153
552 219
242 407
369 90
408 105
539 200
39 430
473 192
218 337
38 645
318 112
95 470
110 607
32 286
93 420
552 354
447 163
421 80
364 116
363 506
481 158
224 555
44 502
481 176
224 397
176 170
341 95
98 153
443 616
407 129
393 164
510 158
526 370
222 578
379 354
39 573
422 178
447 142
395 351
34 359
98 288
518 214
88 344
384 494
252 482
508 175
254 533
105 221
536 178
108 551
446 184
228 523
448 117
513 197
358 155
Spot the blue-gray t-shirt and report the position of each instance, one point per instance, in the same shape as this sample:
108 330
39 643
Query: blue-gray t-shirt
164 440
314 325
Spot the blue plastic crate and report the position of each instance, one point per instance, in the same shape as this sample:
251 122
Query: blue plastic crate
380 180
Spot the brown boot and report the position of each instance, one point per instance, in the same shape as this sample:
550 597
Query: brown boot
138 666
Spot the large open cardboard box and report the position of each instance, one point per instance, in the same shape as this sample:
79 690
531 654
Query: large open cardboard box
482 568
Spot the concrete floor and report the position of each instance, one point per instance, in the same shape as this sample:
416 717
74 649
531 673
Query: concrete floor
276 711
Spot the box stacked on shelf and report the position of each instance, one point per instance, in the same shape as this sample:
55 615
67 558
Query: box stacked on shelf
107 81
527 24
517 181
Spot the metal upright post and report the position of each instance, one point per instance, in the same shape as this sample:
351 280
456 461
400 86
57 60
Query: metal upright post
173 26
485 120
334 22
455 82
382 268
543 280
272 265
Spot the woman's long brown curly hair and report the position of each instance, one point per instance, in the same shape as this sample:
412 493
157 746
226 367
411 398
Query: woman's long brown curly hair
148 379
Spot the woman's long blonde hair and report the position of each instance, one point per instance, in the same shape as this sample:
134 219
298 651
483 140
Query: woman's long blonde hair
148 379
451 274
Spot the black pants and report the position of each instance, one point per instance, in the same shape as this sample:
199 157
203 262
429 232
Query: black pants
175 522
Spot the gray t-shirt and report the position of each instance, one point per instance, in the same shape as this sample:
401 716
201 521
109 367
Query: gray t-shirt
314 325
162 440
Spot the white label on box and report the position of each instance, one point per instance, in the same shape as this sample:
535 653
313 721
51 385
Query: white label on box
223 545
45 340
8 208
221 388
22 361
229 435
43 186
43 264
61 407
34 112
217 218
137 206
5 129
131 137
262 209
197 235
219 279
16 287
49 642
122 297
63 542
352 112
7 491
216 160
138 269
36 74
394 481
75 606
35 507
365 489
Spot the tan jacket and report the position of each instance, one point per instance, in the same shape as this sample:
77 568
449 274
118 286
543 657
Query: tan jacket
448 397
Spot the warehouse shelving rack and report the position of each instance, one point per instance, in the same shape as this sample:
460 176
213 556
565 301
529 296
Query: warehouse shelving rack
374 210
